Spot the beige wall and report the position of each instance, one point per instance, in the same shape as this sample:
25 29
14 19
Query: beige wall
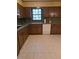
38 4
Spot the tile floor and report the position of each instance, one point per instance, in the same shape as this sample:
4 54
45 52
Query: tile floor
41 47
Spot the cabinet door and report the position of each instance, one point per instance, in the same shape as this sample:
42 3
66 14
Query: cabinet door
36 29
21 12
20 36
18 46
58 12
25 33
56 29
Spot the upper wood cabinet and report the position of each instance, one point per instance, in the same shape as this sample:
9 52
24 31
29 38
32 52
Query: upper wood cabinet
28 12
20 11
55 10
46 12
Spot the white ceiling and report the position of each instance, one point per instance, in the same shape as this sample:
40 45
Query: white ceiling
41 0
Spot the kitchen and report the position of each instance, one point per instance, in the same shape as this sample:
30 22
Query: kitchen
36 19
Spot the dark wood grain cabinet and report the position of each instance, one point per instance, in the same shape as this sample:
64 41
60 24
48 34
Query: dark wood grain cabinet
21 38
35 29
18 46
22 34
55 28
21 12
55 10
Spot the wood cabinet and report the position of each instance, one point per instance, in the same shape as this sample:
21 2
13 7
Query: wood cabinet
18 46
21 12
21 38
55 28
35 29
55 10
22 34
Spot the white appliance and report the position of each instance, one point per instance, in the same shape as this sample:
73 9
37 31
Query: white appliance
46 29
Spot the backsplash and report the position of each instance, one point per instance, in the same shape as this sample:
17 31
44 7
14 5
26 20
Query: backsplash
54 20
22 21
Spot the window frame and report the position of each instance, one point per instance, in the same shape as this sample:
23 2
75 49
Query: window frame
38 14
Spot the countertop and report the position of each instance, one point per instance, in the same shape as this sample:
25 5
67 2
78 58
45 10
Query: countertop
36 22
24 25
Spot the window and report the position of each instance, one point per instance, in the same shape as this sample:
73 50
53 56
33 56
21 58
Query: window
36 14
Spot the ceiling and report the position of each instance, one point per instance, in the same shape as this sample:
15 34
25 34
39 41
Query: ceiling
41 0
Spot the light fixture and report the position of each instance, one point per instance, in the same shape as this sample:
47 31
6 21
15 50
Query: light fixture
52 14
38 7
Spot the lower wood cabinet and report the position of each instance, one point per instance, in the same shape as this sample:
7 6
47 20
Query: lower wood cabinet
22 34
55 28
21 38
18 46
35 29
